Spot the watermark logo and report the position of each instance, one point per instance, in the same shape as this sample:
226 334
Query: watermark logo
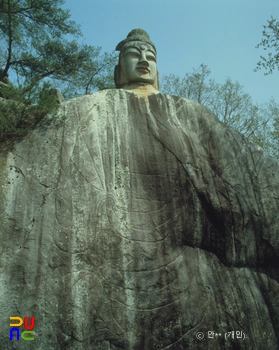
15 331
227 335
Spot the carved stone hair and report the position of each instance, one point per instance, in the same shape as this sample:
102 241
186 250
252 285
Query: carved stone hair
136 35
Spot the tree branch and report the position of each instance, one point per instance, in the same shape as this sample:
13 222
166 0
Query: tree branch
8 63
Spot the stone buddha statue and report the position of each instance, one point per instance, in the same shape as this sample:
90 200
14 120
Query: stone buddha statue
141 222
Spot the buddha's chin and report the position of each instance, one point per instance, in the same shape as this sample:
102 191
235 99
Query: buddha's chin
138 83
141 79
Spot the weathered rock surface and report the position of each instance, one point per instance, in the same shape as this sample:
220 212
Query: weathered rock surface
137 223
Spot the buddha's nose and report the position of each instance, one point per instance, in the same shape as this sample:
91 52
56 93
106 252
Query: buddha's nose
143 61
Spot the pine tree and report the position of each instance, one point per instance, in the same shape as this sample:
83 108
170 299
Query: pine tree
36 52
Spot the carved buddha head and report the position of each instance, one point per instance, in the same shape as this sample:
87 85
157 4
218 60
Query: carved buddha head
137 60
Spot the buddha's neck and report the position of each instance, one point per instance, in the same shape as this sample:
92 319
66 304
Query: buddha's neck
140 88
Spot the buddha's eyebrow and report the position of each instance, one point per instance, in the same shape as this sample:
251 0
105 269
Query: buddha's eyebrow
149 50
139 50
132 48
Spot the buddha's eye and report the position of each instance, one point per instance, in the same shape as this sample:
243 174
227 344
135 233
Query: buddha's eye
151 58
133 54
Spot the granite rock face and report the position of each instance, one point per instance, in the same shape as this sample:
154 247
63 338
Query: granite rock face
137 223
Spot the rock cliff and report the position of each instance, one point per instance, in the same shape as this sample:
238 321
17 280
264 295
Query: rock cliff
136 223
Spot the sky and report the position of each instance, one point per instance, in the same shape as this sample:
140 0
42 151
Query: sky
221 34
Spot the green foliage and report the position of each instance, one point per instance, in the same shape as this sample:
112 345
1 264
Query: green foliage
269 43
27 26
228 101
21 110
36 51
86 72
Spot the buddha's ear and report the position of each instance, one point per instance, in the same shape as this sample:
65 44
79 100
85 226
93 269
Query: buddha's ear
156 83
117 76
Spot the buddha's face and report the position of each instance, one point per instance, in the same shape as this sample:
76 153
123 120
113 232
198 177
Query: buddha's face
138 63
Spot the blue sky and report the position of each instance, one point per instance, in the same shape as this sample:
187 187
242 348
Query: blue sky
219 33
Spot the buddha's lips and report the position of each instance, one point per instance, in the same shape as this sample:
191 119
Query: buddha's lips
143 69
